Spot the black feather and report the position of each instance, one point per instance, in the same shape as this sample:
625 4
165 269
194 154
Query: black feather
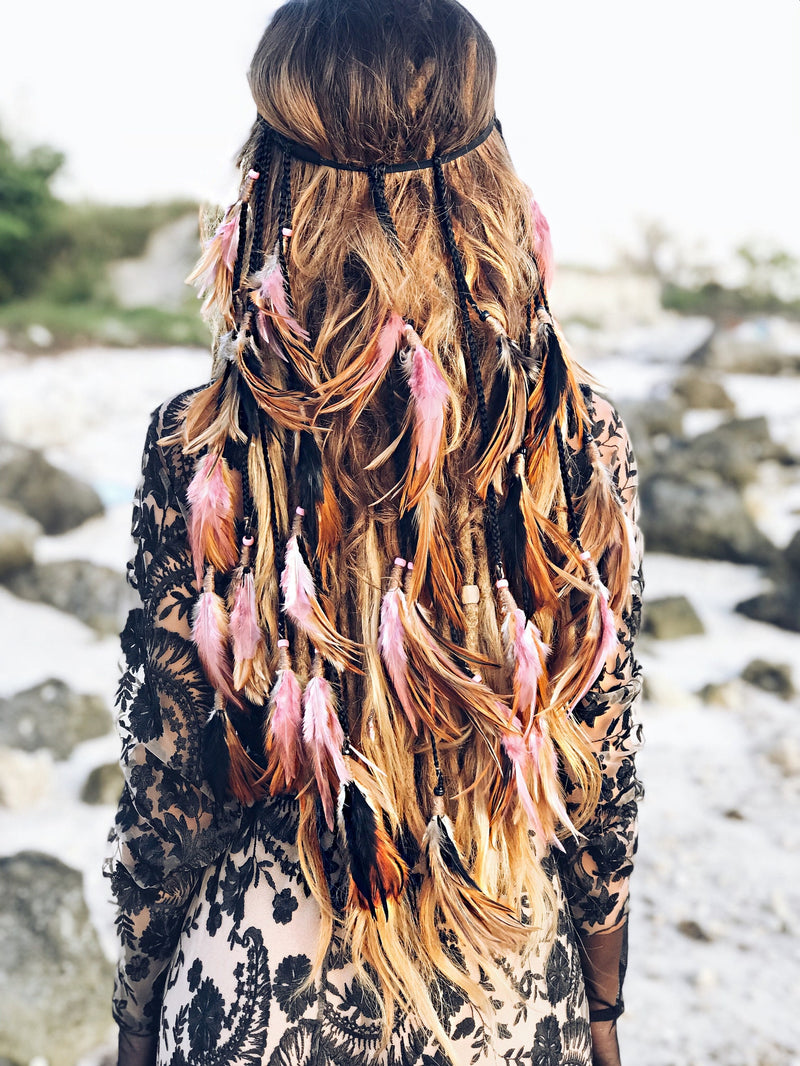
310 484
514 536
554 379
499 389
360 826
216 761
451 856
248 410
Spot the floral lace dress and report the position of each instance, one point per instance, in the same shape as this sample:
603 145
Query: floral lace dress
216 926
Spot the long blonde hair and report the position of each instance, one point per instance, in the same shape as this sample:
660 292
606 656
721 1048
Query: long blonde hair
389 441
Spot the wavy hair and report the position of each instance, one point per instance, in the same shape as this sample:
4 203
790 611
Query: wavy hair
398 587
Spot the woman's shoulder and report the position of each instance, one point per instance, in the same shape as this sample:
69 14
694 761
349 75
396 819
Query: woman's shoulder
611 436
164 433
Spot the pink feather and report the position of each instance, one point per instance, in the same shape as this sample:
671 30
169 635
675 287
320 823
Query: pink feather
323 737
210 634
545 765
431 399
246 634
606 644
211 509
515 749
542 244
228 236
393 653
297 586
286 723
273 289
219 250
389 340
525 651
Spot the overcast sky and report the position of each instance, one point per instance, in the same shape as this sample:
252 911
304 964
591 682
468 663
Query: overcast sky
616 111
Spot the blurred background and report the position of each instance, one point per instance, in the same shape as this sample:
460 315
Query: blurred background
662 142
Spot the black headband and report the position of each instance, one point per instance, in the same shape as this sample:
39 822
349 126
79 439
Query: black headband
308 155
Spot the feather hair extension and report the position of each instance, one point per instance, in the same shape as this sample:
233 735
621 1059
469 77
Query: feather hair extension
329 522
525 651
483 923
323 738
210 628
555 383
548 787
212 518
301 604
602 516
269 297
284 737
442 694
377 872
514 536
605 634
213 274
434 559
391 641
507 409
430 397
519 757
245 776
215 756
356 383
247 638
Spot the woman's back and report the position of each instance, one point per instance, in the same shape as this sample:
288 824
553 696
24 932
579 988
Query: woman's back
378 683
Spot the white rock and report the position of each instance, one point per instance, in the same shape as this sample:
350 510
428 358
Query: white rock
26 778
786 756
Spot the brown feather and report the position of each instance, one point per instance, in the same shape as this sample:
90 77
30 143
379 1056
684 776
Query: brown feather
435 566
604 530
483 923
245 777
329 522
510 424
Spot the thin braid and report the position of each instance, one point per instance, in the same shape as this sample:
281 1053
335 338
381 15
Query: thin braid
257 251
377 184
572 520
273 517
465 301
238 267
285 224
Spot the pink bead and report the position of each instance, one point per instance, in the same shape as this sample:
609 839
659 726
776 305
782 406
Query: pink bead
248 541
287 232
253 175
585 556
283 643
501 584
399 562
410 566
300 511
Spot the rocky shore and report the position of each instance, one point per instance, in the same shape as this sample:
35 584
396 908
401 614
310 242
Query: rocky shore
713 976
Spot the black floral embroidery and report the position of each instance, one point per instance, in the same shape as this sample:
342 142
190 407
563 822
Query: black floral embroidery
205 890
206 1017
291 976
283 907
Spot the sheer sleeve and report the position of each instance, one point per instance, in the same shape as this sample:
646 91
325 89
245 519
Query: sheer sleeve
596 868
168 827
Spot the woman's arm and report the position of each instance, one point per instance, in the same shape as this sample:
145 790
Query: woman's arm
596 869
168 827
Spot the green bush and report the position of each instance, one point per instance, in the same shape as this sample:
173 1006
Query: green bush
30 218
